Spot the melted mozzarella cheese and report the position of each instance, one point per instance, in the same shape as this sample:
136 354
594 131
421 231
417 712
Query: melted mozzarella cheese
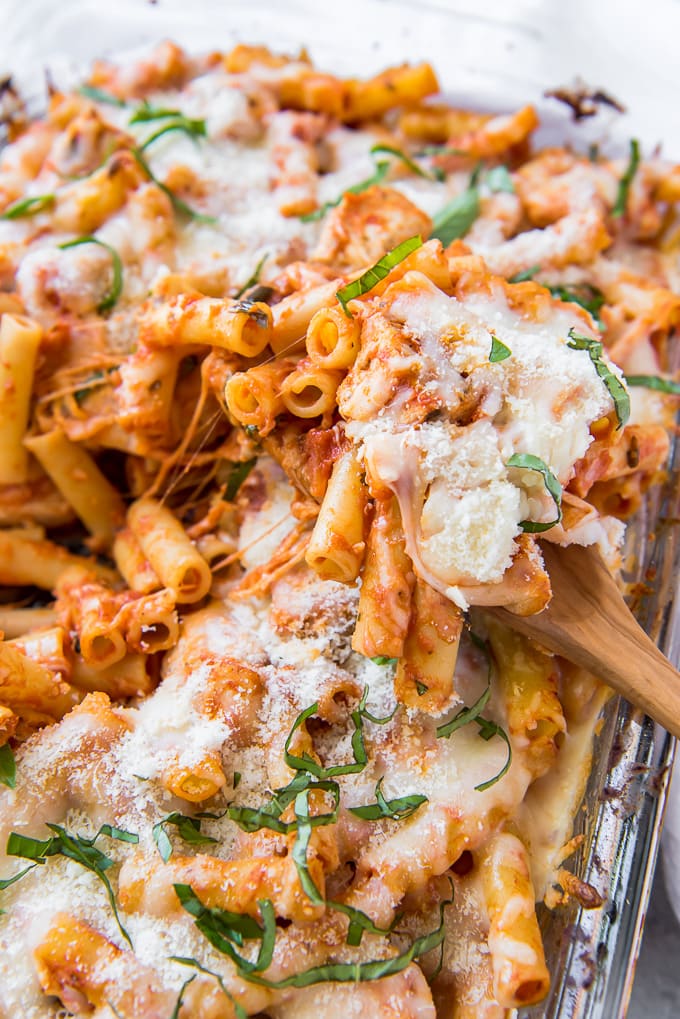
74 280
461 505
546 815
264 528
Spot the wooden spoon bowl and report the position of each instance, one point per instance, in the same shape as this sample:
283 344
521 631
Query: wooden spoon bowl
589 623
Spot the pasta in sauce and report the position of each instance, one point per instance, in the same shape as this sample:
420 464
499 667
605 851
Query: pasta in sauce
296 375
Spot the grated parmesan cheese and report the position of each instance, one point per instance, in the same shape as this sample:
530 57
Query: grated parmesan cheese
460 506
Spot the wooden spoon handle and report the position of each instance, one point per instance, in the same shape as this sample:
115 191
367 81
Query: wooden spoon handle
589 623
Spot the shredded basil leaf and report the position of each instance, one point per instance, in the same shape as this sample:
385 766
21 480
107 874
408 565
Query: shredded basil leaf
177 121
464 716
239 473
80 395
499 352
627 179
40 849
193 128
188 828
305 763
431 977
361 710
177 203
381 170
383 660
29 848
210 816
498 178
457 216
421 688
27 207
254 279
75 847
529 462
248 307
654 382
110 149
259 294
476 174
252 819
180 997
585 295
237 779
483 646
117 284
239 1011
398 809
304 833
7 881
377 272
361 972
146 112
162 840
100 96
439 150
240 926
382 167
614 385
8 767
389 150
487 729
358 920
524 275
117 833
225 929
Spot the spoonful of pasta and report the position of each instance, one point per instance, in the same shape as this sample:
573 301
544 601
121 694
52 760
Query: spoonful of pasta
589 623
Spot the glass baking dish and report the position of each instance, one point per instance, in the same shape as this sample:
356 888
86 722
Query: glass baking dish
488 55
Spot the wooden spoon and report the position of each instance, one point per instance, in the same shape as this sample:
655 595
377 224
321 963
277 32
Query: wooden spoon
589 623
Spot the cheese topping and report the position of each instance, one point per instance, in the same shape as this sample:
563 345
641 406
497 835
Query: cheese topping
463 505
306 761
